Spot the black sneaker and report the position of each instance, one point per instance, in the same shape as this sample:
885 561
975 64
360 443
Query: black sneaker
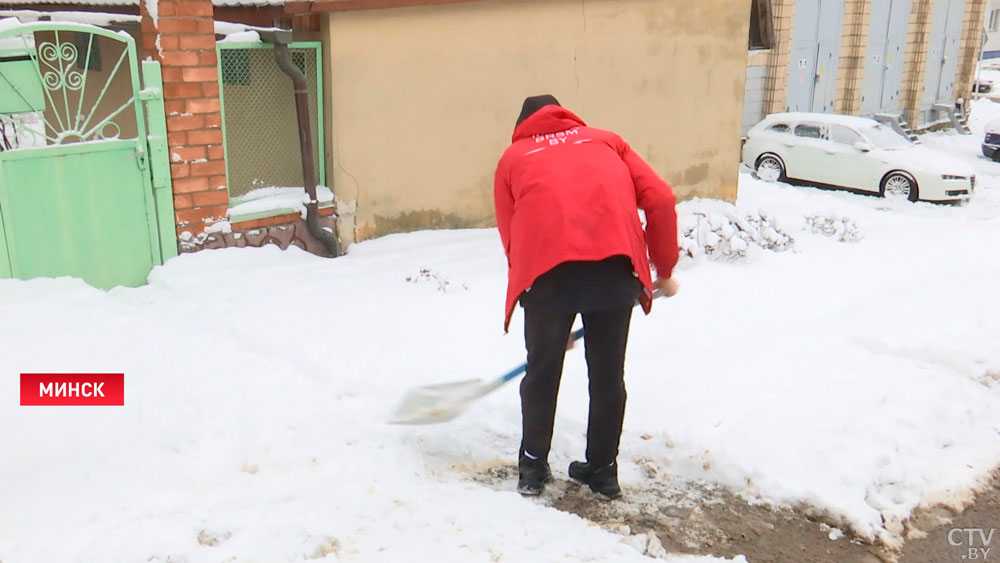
532 474
602 480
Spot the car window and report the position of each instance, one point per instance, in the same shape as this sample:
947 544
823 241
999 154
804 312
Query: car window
886 137
810 130
780 128
844 135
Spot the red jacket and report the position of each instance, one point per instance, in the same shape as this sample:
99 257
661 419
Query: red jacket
564 191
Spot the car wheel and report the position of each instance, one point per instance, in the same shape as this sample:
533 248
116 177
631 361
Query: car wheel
996 155
770 168
899 186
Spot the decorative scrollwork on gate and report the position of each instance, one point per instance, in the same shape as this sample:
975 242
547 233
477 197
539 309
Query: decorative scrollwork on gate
68 83
60 59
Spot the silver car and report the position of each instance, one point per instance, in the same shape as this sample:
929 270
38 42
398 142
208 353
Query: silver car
856 154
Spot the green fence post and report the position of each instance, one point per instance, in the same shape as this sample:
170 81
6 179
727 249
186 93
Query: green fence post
159 157
4 258
318 118
222 114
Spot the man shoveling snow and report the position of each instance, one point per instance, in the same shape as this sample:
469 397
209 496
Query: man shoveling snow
567 198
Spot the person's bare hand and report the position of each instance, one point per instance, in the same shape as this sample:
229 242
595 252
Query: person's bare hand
668 286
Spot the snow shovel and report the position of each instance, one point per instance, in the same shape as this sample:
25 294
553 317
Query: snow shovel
432 404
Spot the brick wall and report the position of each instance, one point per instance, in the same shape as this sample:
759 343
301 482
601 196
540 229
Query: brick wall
853 49
777 76
968 50
181 36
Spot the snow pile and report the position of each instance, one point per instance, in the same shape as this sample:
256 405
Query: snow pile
15 42
725 234
221 227
647 544
275 201
8 22
240 33
843 228
248 36
860 393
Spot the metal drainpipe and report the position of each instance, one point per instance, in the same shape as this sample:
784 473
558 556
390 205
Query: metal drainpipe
281 39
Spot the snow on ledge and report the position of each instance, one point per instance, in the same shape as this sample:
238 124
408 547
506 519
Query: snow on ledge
240 33
271 200
248 36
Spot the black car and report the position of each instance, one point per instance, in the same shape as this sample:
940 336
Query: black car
991 143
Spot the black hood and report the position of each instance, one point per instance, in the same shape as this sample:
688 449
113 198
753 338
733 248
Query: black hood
535 103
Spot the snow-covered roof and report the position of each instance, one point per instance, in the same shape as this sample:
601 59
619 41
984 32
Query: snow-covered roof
222 3
93 18
234 32
248 2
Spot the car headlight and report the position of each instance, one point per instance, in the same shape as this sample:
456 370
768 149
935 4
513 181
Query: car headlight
951 177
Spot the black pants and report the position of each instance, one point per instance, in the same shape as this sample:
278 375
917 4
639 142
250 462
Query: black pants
605 337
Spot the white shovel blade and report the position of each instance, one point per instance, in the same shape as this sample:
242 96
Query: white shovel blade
432 404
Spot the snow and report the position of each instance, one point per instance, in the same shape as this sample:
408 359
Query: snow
228 28
856 373
136 3
276 199
233 32
16 43
240 33
248 2
92 18
241 37
219 227
866 363
8 22
153 9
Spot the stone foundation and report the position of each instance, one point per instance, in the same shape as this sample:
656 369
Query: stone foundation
283 236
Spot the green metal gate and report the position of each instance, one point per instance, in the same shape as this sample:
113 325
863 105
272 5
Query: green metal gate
84 190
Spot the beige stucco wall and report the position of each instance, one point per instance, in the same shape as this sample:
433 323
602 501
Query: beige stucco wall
422 101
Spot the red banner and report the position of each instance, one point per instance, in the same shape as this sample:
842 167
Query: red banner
72 389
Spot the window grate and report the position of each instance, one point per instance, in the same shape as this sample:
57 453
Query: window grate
261 128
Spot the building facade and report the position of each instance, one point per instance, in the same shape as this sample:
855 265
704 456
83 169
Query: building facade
410 105
422 99
908 58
